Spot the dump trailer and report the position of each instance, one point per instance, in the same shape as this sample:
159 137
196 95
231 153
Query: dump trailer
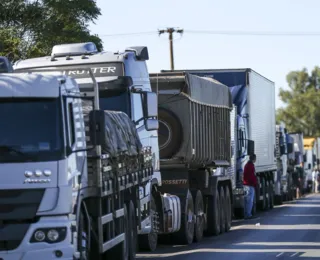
123 81
75 172
195 154
283 178
254 96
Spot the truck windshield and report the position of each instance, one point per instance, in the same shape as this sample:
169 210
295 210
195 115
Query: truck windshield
30 130
116 101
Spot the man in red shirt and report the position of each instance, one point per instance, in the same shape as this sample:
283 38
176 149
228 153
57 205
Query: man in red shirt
249 180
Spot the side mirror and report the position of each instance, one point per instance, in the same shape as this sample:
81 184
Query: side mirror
282 150
250 147
289 147
150 104
97 124
152 124
309 166
304 158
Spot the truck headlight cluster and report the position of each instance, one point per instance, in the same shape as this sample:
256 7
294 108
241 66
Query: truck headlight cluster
49 235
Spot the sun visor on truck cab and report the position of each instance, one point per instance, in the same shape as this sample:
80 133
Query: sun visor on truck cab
208 91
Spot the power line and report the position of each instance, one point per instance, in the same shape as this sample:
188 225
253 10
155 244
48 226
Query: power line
220 32
126 34
254 33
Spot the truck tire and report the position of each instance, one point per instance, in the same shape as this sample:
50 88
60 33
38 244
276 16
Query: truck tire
213 215
262 192
149 242
228 209
121 251
186 233
170 133
267 192
254 206
271 196
222 210
133 237
198 212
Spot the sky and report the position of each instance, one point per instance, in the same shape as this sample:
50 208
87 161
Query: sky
272 56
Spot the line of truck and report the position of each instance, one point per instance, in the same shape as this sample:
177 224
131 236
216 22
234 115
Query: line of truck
102 158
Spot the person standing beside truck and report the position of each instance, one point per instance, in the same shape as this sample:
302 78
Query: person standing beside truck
249 180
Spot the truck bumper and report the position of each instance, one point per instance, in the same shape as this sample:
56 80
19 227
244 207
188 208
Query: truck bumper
47 253
42 250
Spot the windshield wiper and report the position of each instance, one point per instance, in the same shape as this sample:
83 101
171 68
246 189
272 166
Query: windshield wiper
8 148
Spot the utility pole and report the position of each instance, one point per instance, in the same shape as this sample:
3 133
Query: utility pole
170 31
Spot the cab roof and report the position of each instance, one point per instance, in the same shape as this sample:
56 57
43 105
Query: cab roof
79 53
20 85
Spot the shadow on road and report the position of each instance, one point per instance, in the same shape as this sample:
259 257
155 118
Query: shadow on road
288 231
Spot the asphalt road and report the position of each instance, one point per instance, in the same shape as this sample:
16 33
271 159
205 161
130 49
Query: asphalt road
290 231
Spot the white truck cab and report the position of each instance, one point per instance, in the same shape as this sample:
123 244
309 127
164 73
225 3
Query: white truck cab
33 161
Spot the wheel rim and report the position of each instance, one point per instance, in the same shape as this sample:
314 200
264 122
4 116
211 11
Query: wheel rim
190 221
199 220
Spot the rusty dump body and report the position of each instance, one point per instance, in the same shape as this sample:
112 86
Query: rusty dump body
194 119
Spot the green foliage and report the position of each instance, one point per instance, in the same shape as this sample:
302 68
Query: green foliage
30 28
302 111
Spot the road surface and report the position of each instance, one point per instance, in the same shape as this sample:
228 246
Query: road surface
290 231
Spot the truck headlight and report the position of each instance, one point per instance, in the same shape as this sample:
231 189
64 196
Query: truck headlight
53 235
39 236
49 235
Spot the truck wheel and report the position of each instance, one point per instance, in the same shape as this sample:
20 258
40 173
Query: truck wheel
222 211
186 233
149 242
267 190
263 204
198 211
132 232
254 206
228 209
271 196
213 215
170 133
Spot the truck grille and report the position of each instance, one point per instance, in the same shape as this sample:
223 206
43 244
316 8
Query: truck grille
18 209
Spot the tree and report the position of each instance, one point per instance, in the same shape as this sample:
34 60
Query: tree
302 111
30 28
